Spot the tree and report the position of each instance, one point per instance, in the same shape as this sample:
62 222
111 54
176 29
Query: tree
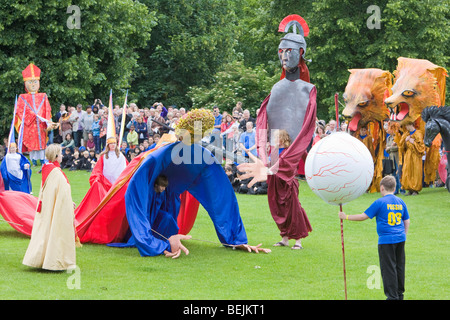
192 40
77 65
233 83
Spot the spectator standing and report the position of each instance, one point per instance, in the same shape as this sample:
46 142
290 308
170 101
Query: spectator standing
392 152
65 125
225 129
217 119
331 127
77 126
248 141
319 132
87 120
238 107
103 128
141 129
132 138
57 134
96 133
247 118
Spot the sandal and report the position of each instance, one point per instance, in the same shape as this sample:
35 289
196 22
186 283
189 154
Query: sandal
280 244
297 247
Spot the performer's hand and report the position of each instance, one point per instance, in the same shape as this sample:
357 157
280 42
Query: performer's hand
176 246
342 215
249 248
257 170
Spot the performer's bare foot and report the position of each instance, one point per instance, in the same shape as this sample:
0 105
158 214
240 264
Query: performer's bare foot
297 245
283 243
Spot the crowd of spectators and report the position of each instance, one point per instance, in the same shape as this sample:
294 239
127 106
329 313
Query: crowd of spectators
81 131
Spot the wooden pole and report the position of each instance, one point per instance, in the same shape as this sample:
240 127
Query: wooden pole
336 106
343 254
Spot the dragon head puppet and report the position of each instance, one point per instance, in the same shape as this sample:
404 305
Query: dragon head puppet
364 97
418 84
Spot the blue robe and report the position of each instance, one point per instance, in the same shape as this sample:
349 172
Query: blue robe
13 183
201 176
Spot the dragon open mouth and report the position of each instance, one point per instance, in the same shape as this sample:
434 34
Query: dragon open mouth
399 112
353 125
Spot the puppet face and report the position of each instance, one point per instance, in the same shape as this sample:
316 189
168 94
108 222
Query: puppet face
32 86
364 97
289 58
12 148
289 51
415 88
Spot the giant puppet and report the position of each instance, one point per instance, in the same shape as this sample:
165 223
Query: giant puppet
437 121
418 84
34 110
364 106
290 106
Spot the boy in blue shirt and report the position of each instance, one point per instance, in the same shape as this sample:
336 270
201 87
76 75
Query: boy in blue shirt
392 226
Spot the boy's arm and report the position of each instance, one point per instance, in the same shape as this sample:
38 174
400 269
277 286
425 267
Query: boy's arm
406 223
353 217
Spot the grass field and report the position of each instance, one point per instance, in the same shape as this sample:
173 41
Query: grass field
212 272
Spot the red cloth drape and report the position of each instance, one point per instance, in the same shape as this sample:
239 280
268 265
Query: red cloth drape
19 208
107 221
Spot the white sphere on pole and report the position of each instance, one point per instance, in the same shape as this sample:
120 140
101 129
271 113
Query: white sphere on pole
339 168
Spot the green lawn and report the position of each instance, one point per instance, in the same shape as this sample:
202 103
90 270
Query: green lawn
214 272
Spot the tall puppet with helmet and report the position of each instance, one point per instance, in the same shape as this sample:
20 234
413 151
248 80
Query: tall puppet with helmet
33 109
290 106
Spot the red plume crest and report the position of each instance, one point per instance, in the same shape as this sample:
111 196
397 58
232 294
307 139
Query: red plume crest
294 19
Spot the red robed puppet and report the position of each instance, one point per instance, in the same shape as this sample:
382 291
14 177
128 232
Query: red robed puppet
34 109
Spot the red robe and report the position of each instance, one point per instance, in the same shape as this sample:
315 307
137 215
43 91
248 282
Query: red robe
103 219
35 129
282 191
101 216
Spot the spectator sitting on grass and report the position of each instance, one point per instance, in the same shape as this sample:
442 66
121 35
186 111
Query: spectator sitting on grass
67 159
76 161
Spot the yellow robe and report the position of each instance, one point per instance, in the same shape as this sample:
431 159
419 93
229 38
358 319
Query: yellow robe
412 161
52 244
367 140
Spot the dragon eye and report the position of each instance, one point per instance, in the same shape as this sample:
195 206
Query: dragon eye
408 93
363 104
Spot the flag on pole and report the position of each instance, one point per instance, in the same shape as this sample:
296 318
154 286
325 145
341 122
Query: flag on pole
124 116
22 124
12 136
111 127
